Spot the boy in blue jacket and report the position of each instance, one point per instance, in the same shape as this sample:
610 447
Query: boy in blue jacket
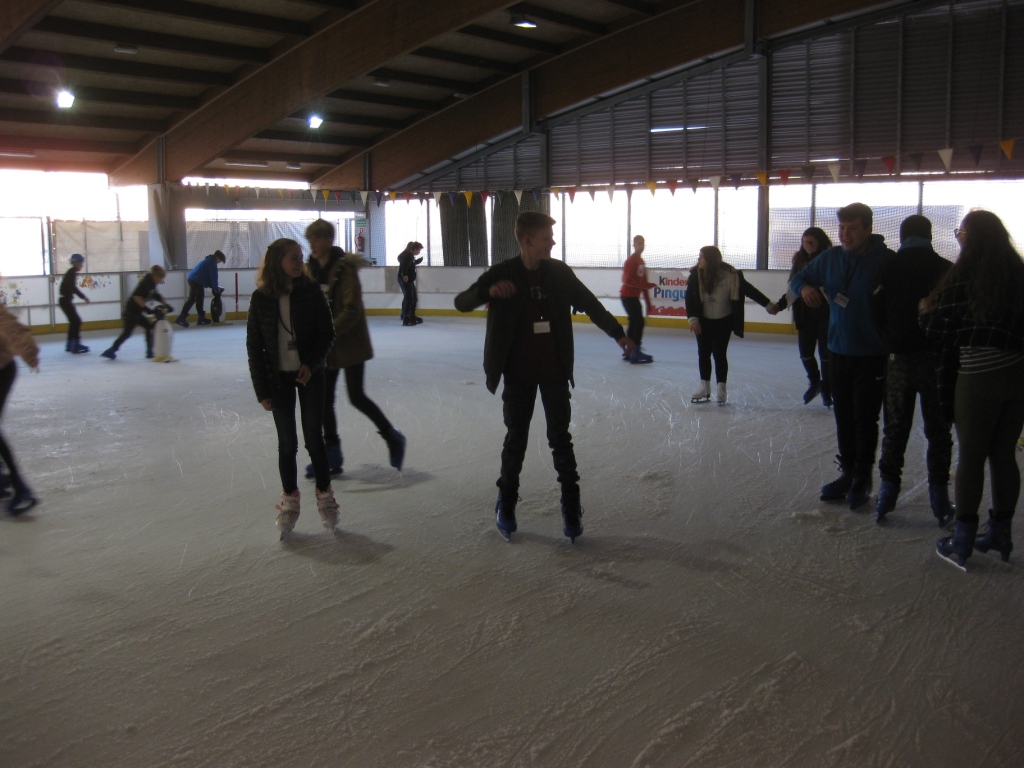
202 276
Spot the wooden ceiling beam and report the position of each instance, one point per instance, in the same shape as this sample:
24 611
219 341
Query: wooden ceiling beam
18 16
560 19
385 100
667 41
80 120
39 88
510 38
215 14
431 81
366 121
41 144
480 62
62 61
245 155
639 6
371 36
329 139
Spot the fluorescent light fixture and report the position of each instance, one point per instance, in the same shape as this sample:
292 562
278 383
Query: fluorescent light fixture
677 128
825 160
65 99
315 121
16 153
246 163
128 50
294 166
520 20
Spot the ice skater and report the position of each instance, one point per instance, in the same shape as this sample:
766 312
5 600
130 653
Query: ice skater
978 308
202 276
337 273
407 261
288 335
634 285
529 342
135 311
68 290
715 294
15 340
811 322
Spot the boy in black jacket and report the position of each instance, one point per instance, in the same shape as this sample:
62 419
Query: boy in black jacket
529 342
68 290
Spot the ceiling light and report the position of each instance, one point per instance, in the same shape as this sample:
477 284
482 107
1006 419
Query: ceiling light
65 99
128 50
520 20
246 163
294 166
676 128
382 82
315 121
16 153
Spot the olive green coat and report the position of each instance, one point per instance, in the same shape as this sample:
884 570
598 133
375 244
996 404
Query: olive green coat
345 295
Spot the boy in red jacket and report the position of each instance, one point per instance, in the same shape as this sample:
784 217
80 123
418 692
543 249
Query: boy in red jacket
635 285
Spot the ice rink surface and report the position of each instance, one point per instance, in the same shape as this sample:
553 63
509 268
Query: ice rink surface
714 612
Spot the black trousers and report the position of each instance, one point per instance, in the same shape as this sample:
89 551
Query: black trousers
908 377
354 375
713 342
196 296
74 321
519 399
7 376
858 388
311 411
131 321
409 298
813 332
635 330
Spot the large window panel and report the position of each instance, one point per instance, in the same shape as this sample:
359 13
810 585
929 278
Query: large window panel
595 230
737 226
675 227
789 214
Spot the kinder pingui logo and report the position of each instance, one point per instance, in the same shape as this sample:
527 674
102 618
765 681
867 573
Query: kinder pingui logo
670 289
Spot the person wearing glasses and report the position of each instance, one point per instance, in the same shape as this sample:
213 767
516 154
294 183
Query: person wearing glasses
848 274
978 310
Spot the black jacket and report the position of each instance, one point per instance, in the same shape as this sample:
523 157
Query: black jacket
565 292
69 285
314 333
903 281
407 265
695 306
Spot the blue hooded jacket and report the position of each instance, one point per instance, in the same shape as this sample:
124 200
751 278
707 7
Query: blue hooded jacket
851 329
205 272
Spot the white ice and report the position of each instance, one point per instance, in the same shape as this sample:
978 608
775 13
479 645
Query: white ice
714 612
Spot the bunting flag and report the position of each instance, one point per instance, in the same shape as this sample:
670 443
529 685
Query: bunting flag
889 163
672 185
715 181
572 194
556 192
469 197
693 184
327 194
207 190
452 197
915 160
859 166
483 195
1007 146
784 175
762 177
281 193
519 196
392 196
437 197
651 185
337 196
947 158
364 196
833 168
536 195
736 178
379 195
593 193
289 194
807 171
611 192
257 193
975 150
499 196
629 191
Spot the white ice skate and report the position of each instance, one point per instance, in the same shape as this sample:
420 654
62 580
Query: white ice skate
327 506
703 393
287 513
722 396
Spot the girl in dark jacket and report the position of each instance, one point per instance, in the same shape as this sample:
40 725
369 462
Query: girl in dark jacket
715 294
288 336
811 322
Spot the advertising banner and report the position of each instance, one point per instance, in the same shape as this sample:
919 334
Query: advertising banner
669 292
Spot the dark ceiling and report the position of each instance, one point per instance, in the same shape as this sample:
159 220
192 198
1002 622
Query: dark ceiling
171 88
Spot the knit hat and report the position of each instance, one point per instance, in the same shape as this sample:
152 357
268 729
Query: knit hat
77 258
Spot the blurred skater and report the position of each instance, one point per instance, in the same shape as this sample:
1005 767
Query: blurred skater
529 343
15 340
407 262
811 322
715 294
634 285
135 311
337 273
288 336
68 290
202 276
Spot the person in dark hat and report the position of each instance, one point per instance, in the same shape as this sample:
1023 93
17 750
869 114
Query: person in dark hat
68 290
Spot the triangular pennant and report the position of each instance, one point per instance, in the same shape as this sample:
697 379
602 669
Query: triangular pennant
281 193
762 177
692 183
975 150
519 196
1007 146
536 195
290 192
807 171
629 191
593 193
915 160
327 194
392 196
736 178
364 195
452 197
257 192
556 192
483 195
611 192
379 195
889 163
672 186
437 197
715 181
859 166
337 195
946 154
784 175
651 185
572 194
833 168
499 196
407 196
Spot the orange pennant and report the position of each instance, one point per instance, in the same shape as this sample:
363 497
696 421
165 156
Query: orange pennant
762 177
1007 146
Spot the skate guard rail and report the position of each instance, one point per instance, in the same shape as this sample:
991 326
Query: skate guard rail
34 299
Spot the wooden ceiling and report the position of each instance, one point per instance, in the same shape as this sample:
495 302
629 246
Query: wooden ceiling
166 89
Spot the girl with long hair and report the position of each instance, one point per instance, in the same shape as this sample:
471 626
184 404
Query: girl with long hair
811 322
288 335
977 311
715 293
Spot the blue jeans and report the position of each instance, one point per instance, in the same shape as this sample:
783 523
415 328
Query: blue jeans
409 299
311 410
